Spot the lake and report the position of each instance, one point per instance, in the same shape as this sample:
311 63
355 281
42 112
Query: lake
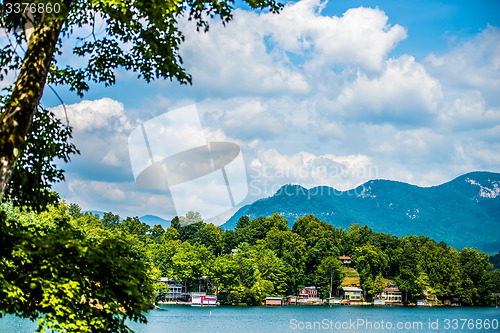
303 319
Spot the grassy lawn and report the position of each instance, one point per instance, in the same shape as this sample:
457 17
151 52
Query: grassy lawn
351 277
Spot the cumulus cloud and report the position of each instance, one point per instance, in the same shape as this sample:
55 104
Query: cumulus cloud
404 92
270 52
473 64
271 169
471 112
361 37
100 131
91 115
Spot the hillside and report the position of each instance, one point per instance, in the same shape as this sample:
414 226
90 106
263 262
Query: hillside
464 212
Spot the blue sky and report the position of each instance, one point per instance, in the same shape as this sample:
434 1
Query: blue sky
326 93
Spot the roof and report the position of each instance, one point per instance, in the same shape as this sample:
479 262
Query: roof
344 257
274 298
391 289
351 289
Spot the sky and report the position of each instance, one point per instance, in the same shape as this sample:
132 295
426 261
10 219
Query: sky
326 93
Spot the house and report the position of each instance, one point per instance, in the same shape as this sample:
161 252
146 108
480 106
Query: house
392 295
352 293
175 289
308 292
202 299
346 261
274 301
309 295
291 299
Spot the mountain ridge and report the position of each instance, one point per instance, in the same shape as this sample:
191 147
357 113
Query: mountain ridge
462 212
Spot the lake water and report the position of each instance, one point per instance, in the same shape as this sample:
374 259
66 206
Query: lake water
303 319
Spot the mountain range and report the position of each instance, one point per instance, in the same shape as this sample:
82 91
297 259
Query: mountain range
464 212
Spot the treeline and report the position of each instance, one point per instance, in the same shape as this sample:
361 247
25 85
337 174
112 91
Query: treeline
263 257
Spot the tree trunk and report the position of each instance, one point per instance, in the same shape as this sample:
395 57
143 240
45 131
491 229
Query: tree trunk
22 104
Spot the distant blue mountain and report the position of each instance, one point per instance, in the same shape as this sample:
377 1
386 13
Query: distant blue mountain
152 220
464 212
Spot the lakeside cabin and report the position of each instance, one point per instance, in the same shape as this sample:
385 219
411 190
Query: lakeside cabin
176 291
202 299
274 301
351 293
392 295
291 299
309 295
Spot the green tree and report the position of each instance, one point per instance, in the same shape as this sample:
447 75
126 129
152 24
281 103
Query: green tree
409 270
474 265
441 266
67 279
157 233
356 237
292 249
224 271
369 261
110 221
190 263
329 276
175 223
212 237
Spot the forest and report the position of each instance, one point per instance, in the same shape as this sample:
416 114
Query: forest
259 258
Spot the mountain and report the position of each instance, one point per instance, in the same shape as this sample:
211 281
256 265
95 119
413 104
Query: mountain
464 212
152 220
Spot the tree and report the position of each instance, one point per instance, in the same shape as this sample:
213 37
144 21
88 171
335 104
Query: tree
369 261
190 262
157 233
74 283
31 181
211 236
329 275
409 270
474 266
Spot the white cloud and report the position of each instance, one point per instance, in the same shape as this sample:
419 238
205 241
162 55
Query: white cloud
100 131
470 111
361 37
234 59
90 115
309 170
472 65
404 92
268 54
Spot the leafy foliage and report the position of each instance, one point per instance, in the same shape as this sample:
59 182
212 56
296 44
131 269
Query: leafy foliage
36 169
268 259
74 283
